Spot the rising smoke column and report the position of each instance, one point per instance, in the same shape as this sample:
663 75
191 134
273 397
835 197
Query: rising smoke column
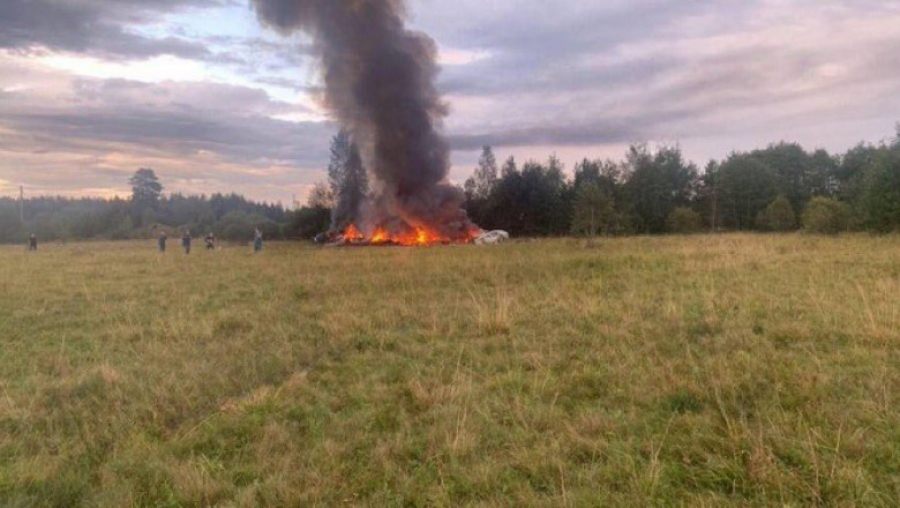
379 85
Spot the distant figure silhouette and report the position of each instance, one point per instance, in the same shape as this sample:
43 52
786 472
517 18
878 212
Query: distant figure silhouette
186 242
210 242
161 241
32 243
257 241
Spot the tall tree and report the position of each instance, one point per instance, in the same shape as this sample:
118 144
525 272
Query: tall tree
337 163
586 172
883 193
707 202
509 166
605 174
593 211
347 179
800 175
145 188
821 179
485 177
747 185
657 184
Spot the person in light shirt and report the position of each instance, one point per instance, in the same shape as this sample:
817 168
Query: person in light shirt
257 241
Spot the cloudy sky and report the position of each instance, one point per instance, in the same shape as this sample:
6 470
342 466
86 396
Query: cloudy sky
90 90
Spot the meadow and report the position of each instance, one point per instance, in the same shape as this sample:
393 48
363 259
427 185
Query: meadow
728 370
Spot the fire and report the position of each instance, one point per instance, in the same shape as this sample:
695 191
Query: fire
352 234
380 236
420 236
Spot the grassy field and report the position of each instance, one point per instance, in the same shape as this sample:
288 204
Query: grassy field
731 370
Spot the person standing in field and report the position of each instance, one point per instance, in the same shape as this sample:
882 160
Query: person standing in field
257 241
186 242
161 241
32 243
210 242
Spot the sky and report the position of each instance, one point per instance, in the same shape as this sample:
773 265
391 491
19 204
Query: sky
199 91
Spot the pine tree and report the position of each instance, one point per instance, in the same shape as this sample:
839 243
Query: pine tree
145 188
347 179
485 177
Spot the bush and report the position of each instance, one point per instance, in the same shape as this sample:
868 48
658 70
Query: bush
238 226
826 216
307 222
778 216
683 220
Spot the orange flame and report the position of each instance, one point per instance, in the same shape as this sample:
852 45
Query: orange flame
421 236
352 234
380 236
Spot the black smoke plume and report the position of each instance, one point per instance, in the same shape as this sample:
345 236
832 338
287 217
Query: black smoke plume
379 85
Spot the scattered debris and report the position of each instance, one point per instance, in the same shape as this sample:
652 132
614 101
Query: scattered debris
491 237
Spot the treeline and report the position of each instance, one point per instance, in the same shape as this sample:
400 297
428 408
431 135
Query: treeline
779 188
228 216
652 191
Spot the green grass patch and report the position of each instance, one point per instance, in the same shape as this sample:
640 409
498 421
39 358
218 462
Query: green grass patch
733 370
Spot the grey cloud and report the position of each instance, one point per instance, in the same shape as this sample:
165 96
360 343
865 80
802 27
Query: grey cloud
534 46
593 132
92 26
492 77
209 99
591 75
178 119
181 134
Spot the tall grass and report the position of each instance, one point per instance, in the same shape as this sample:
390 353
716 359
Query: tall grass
698 371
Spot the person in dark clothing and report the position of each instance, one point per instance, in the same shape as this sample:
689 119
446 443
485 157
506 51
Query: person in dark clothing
32 243
186 242
257 241
161 241
210 242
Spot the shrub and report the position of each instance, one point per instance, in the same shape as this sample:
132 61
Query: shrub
778 216
683 220
826 216
306 223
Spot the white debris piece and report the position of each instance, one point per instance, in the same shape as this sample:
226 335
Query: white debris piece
491 237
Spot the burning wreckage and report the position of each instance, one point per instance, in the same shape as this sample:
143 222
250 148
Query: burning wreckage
419 237
379 87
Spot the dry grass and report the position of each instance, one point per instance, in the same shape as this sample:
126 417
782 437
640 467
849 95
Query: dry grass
696 371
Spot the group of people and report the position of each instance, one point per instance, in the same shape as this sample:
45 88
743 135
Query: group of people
209 240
